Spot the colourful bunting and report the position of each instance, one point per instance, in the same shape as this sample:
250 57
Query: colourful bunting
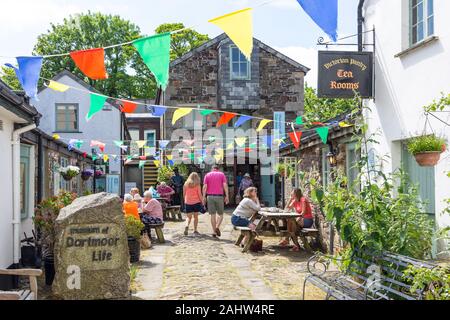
118 143
262 124
97 103
85 155
56 86
105 157
225 118
299 121
180 113
91 62
155 51
28 73
344 124
128 107
169 157
141 143
163 144
157 163
241 121
56 136
207 112
324 13
296 137
74 143
157 111
98 144
171 163
323 133
238 26
142 164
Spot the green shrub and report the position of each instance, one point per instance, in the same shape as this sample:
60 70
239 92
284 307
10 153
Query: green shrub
428 143
434 282
164 174
134 227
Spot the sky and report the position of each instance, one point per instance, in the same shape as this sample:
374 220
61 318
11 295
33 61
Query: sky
281 24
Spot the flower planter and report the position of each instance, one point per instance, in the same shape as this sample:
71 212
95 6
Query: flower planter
428 159
49 266
134 247
85 178
67 178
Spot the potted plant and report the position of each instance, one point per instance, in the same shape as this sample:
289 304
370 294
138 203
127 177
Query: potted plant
44 220
427 149
134 229
86 174
69 172
98 173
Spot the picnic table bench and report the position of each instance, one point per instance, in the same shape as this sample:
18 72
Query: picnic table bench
158 230
173 213
31 294
368 276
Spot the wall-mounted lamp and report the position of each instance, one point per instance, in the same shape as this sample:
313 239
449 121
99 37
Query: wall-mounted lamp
332 155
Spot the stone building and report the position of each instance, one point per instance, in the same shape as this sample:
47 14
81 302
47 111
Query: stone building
216 75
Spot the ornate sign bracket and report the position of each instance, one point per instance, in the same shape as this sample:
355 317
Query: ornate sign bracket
321 40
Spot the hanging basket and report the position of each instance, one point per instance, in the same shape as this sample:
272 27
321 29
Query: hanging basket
428 159
67 177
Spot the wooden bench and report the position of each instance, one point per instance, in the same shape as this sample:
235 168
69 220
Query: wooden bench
251 236
173 212
368 276
158 230
31 294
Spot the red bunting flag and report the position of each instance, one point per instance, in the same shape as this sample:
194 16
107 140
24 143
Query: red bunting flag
91 62
225 118
143 157
296 137
128 107
85 155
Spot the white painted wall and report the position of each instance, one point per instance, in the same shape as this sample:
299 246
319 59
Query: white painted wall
6 197
104 126
405 84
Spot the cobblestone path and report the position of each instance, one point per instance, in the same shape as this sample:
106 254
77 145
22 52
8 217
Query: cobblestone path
203 267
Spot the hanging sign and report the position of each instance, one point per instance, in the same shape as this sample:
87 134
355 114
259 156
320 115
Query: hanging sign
343 73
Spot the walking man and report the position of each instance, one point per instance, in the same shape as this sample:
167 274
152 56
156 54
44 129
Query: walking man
215 194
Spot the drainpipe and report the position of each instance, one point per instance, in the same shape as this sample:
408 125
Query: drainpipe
360 24
15 142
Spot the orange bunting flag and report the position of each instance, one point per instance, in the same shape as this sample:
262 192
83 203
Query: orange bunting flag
128 107
296 138
91 62
225 118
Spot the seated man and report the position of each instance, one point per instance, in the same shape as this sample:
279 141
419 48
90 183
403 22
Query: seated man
165 191
152 211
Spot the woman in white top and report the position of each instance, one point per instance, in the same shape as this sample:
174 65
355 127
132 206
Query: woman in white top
248 206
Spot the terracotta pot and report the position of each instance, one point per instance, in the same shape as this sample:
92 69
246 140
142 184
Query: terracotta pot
428 159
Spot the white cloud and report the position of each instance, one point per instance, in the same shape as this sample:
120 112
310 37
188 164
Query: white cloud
305 56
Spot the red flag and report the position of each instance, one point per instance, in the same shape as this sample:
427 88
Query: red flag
143 157
225 118
128 107
91 62
84 154
296 137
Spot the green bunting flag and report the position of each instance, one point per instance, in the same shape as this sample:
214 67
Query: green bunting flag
142 164
155 51
299 121
97 103
323 133
206 112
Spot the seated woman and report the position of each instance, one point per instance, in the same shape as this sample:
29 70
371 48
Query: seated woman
248 206
165 191
152 211
138 200
302 206
129 207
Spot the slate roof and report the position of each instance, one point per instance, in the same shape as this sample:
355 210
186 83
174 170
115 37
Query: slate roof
17 103
256 42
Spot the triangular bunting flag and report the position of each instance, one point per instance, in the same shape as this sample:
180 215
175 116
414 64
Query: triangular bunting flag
141 143
142 163
180 113
155 51
56 136
28 73
324 13
238 26
323 133
225 118
345 124
124 148
296 138
241 121
169 157
98 144
241 141
97 103
299 121
156 163
105 157
128 107
56 86
171 162
157 111
91 62
207 112
118 143
163 143
262 124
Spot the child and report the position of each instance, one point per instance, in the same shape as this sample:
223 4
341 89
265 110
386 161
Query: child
130 208
193 201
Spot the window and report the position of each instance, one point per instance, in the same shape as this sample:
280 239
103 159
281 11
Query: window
240 66
134 148
66 117
326 170
352 158
150 136
422 20
24 181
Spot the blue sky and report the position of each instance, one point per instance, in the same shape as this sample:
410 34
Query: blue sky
281 24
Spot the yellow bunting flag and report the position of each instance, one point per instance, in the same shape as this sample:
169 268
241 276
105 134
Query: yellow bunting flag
180 113
157 163
241 141
169 157
262 124
56 136
141 143
105 157
57 86
344 124
238 26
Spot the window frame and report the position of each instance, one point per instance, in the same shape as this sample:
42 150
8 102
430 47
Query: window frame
66 129
25 160
413 28
248 62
